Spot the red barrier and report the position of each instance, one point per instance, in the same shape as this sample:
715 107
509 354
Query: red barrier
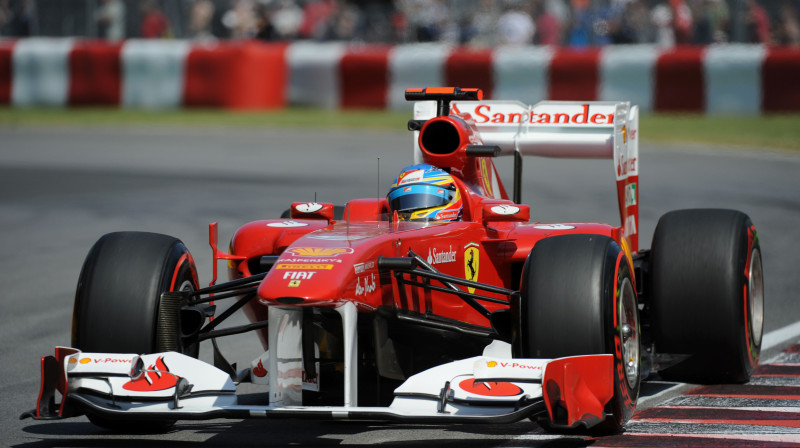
574 74
680 83
236 75
780 80
364 77
94 74
471 69
6 71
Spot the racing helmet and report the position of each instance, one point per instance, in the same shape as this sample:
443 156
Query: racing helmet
424 192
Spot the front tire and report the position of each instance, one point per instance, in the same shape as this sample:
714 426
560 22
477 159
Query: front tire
707 294
118 306
578 298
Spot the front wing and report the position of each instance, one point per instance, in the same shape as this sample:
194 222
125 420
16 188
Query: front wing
569 392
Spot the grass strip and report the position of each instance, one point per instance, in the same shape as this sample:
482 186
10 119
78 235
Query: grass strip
769 131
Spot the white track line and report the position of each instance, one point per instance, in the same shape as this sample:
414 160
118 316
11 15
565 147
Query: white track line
770 340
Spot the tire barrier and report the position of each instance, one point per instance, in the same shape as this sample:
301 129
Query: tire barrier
719 79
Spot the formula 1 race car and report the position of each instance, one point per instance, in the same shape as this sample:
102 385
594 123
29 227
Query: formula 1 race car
439 303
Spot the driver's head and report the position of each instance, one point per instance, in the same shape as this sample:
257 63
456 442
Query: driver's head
425 193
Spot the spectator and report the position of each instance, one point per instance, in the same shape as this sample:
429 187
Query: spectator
662 19
757 23
154 23
200 17
18 18
634 26
264 28
317 15
240 19
580 33
788 30
548 23
515 26
681 21
287 19
110 18
344 24
718 19
480 27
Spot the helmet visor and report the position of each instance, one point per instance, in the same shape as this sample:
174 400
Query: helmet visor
418 197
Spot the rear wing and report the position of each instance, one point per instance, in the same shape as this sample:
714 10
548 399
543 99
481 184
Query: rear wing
564 129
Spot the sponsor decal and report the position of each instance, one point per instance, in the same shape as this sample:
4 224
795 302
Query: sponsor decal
155 378
569 115
437 256
361 267
298 275
505 209
101 361
368 287
309 207
319 251
406 190
554 227
490 388
514 365
472 257
626 166
311 260
287 224
294 283
413 176
296 267
630 226
447 215
630 194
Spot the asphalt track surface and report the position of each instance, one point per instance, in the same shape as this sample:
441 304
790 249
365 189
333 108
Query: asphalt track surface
62 188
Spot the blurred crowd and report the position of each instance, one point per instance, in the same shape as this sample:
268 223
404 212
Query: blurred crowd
480 23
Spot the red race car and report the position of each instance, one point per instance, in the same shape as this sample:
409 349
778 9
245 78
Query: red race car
439 303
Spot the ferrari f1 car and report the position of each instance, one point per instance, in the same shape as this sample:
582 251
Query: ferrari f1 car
440 303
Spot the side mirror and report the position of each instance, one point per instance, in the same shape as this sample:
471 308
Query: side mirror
506 213
312 210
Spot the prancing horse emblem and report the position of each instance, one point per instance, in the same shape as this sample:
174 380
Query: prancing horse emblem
471 264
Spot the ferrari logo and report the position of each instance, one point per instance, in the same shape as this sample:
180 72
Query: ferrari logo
471 259
294 283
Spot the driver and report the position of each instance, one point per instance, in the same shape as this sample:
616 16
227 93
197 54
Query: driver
423 192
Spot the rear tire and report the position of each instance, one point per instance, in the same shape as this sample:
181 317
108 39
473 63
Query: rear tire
118 306
570 286
708 294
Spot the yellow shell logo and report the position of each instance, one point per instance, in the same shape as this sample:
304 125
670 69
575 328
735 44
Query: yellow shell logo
471 259
319 251
85 361
491 364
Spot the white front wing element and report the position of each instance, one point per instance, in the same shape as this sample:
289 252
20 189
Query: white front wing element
475 389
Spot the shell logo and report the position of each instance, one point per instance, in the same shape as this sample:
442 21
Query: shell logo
319 251
491 364
85 361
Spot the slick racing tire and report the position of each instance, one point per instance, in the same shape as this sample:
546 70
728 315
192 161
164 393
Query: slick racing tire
707 294
573 290
118 306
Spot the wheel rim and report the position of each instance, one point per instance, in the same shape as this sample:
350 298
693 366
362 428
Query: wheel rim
755 286
629 332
